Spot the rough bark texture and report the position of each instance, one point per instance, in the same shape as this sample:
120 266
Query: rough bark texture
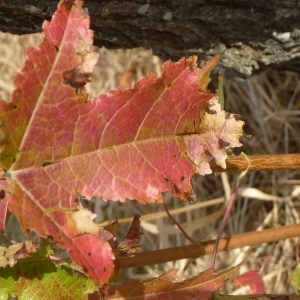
250 35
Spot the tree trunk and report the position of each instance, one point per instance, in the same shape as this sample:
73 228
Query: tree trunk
250 35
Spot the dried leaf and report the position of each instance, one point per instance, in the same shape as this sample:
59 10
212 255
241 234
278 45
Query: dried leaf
165 287
219 131
128 246
11 254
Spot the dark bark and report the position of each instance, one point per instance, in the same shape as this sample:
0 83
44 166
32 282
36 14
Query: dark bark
250 35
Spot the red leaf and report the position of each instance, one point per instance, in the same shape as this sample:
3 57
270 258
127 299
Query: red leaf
38 127
254 280
165 287
128 246
133 143
3 204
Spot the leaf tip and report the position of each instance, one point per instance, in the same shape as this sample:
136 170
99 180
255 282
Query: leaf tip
204 73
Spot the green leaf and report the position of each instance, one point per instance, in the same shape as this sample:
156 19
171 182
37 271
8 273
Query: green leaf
295 279
37 277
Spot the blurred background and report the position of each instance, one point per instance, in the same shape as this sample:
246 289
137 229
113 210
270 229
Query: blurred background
269 103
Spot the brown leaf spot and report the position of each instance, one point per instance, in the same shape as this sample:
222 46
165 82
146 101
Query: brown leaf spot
2 194
182 178
211 111
76 79
46 163
223 144
79 75
237 117
176 189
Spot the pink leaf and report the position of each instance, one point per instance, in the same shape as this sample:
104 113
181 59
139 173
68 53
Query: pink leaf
38 127
254 280
133 143
3 204
166 287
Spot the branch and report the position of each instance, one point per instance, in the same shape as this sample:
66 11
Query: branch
194 251
245 35
259 163
234 164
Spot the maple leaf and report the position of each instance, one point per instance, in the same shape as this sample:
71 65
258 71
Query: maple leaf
3 204
133 143
38 127
165 286
254 280
42 280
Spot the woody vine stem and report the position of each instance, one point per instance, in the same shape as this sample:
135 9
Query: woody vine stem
259 163
234 164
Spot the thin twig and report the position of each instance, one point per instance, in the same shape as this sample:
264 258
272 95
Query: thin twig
224 222
228 210
179 226
259 163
